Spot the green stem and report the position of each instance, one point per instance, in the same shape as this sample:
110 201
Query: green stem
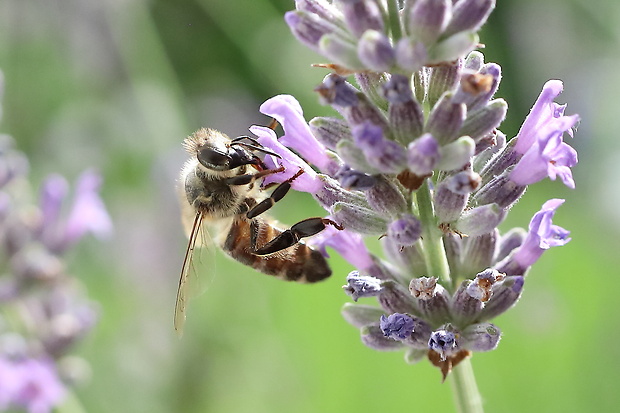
466 395
394 20
434 253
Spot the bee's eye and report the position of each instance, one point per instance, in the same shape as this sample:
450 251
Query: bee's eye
213 158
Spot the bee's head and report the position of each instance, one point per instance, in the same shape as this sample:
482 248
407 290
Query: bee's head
216 151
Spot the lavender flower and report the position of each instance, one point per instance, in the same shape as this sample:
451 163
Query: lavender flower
46 310
415 157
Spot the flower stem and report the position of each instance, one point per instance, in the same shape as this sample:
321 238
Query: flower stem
466 396
434 253
394 20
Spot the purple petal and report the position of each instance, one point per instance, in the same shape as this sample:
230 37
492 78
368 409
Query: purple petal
53 193
543 111
541 236
306 182
34 384
548 156
88 213
348 244
397 326
297 135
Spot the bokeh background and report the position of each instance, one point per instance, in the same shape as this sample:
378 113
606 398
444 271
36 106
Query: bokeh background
117 84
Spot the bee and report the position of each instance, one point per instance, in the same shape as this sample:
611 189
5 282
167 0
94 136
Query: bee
220 187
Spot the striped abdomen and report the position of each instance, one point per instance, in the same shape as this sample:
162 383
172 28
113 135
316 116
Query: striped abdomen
297 263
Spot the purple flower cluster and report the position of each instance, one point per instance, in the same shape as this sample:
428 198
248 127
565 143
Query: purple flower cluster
416 158
43 310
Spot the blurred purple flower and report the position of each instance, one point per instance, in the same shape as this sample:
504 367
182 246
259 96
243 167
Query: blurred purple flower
87 214
32 384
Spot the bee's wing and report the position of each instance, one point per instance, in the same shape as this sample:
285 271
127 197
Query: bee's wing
182 292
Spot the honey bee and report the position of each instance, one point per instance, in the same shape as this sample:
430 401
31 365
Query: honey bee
220 187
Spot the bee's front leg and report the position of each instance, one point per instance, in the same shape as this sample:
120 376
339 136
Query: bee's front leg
290 237
275 196
246 179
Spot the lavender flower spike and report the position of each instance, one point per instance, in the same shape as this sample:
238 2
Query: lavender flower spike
541 236
297 135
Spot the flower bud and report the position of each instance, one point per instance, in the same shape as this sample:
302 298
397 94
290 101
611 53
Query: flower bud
354 157
484 120
405 231
465 307
373 337
308 28
480 337
351 179
479 252
361 286
457 154
375 51
405 113
341 51
483 158
427 19
322 9
469 15
444 343
329 131
480 220
443 78
362 15
409 260
414 355
385 198
473 61
359 219
410 55
432 299
371 84
397 326
499 190
453 47
359 315
446 119
509 242
448 204
423 155
395 299
505 294
335 90
385 155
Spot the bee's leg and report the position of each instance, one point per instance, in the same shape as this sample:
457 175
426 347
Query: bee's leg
275 196
290 237
249 178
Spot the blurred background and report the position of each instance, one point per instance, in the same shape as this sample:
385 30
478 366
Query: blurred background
116 85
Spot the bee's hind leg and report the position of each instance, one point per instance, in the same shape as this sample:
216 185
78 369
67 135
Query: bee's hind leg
290 237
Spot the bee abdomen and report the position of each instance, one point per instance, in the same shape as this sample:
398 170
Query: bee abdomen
298 263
